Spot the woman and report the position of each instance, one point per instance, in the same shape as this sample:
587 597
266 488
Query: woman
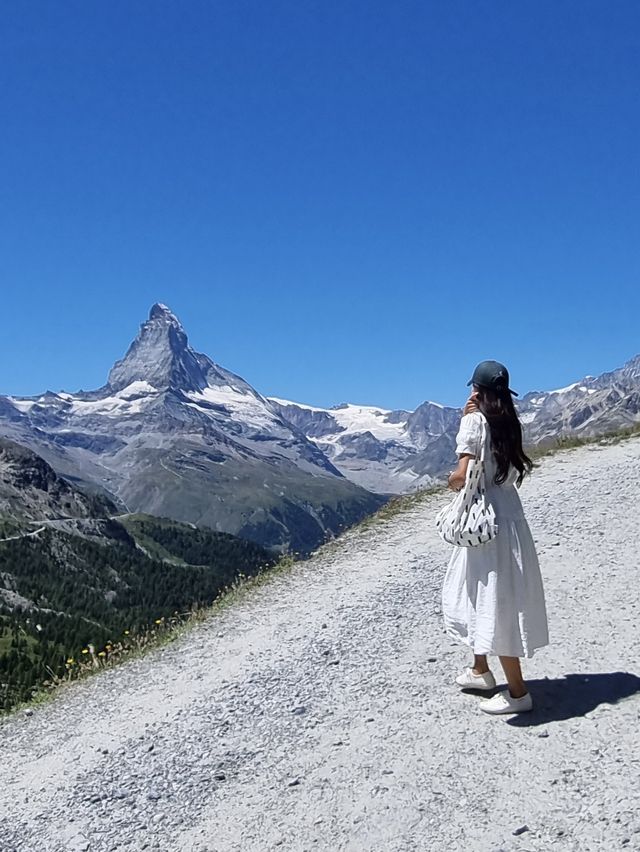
493 598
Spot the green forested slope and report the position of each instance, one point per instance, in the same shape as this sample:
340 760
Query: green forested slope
62 592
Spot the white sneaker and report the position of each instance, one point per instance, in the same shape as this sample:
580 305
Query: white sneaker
503 702
470 680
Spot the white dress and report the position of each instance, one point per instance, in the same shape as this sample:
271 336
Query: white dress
493 598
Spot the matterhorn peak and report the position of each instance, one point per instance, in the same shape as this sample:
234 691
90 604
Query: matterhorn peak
162 312
160 355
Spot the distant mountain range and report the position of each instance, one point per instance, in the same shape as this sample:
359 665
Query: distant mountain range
592 406
382 450
396 451
172 433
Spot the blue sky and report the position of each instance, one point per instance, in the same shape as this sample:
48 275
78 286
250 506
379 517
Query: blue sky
340 200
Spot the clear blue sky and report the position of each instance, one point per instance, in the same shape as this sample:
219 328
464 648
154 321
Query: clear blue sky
341 200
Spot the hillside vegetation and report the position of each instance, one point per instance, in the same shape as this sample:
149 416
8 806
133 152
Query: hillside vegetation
67 595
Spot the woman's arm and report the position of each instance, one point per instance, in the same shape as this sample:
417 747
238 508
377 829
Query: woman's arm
457 477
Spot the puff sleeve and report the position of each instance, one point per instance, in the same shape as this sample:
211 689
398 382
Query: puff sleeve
469 434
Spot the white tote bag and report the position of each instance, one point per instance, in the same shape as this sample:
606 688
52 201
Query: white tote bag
470 520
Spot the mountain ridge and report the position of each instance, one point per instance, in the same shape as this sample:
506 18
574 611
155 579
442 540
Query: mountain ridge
174 434
422 447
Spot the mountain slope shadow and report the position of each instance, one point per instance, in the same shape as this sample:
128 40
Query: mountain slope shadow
574 695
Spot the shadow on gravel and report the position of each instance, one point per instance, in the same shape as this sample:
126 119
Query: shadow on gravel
575 695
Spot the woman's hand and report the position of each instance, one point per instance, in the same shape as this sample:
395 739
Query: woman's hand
458 477
452 481
471 404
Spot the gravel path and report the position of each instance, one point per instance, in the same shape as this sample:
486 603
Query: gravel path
23 535
319 713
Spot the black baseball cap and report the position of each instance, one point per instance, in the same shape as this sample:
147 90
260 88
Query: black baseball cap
491 374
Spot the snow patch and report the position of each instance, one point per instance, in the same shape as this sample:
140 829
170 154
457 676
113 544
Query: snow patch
296 404
136 389
242 406
24 405
569 388
354 419
129 400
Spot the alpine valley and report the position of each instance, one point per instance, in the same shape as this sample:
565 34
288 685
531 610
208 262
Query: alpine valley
76 574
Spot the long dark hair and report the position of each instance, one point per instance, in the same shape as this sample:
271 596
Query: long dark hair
506 432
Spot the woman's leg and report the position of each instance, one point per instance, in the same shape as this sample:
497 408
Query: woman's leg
513 674
480 665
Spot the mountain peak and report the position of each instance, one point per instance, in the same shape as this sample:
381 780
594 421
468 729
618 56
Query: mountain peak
161 311
160 355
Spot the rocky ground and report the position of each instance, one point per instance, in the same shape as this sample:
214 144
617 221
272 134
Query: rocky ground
319 712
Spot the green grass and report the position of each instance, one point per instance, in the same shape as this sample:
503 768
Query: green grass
153 548
5 639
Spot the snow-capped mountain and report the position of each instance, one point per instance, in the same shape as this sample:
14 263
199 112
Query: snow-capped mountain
172 433
591 406
397 451
383 450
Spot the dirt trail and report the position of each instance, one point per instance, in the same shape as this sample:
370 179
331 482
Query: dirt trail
23 535
319 712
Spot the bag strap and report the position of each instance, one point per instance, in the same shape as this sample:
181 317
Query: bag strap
483 439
